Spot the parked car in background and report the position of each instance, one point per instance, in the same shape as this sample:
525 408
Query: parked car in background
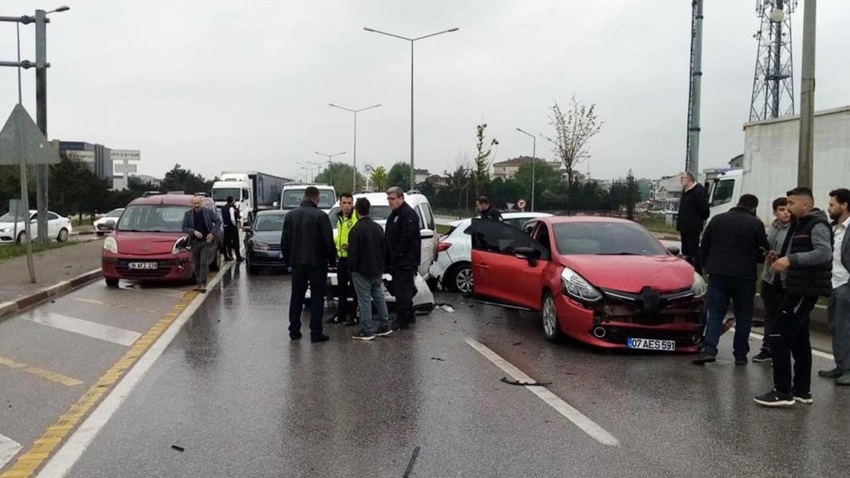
453 266
107 222
148 243
12 228
603 281
262 241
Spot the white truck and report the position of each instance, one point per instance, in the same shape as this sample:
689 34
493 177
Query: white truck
252 191
293 193
770 162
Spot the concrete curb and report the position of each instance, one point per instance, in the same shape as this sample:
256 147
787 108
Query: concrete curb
49 292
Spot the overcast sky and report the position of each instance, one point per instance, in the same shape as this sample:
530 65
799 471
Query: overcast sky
223 85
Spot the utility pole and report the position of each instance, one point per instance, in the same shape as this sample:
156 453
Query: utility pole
692 154
805 158
41 119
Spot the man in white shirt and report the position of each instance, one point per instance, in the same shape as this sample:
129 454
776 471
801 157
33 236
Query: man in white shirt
839 302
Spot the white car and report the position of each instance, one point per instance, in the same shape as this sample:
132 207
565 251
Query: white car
58 227
453 267
107 222
379 212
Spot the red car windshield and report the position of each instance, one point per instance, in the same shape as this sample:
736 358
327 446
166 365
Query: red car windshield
605 238
152 218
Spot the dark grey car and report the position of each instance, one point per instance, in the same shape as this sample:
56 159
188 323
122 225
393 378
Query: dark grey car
262 241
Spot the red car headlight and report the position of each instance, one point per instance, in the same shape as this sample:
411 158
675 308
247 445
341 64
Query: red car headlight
578 288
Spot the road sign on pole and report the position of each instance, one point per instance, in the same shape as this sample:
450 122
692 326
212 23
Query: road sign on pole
36 148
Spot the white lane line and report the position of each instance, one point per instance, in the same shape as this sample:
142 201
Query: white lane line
84 327
8 449
78 442
586 424
89 301
816 353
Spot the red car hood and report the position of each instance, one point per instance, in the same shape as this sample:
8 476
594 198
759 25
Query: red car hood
146 243
632 273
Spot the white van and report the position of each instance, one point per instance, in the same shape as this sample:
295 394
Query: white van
293 193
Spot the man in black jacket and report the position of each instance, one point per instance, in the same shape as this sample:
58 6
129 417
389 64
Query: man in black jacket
693 211
808 264
366 246
733 245
230 221
308 246
486 210
404 253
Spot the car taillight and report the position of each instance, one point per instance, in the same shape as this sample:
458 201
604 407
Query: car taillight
442 246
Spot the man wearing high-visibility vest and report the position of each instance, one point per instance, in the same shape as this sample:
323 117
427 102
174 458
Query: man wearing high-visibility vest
346 218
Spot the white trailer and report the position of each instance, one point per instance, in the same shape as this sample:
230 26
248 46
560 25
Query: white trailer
770 162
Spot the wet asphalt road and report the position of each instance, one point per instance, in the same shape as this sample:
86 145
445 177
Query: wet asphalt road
242 400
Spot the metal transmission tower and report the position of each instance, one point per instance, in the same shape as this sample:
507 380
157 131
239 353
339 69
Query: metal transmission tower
773 85
695 90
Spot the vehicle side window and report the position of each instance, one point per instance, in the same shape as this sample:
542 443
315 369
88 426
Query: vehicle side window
52 216
494 236
419 213
541 235
428 215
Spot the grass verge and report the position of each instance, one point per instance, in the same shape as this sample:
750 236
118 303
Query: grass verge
15 250
442 229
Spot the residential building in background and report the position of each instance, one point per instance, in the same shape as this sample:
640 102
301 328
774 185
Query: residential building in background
420 175
508 169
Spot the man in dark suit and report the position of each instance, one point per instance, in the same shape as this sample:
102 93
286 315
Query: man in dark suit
230 221
203 227
308 246
693 212
404 252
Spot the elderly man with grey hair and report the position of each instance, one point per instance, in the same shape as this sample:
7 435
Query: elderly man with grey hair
404 253
693 212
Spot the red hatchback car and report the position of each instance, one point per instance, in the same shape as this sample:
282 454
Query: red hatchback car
603 281
149 244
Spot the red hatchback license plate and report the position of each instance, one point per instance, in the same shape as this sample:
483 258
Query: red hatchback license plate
142 265
652 344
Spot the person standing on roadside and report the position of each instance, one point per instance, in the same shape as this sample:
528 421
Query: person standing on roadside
732 246
808 263
486 211
693 212
772 284
230 221
203 226
346 218
839 302
404 252
307 244
366 246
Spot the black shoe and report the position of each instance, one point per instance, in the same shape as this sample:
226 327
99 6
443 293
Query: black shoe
351 322
383 331
295 336
363 336
319 338
834 373
334 320
741 361
773 399
703 359
240 259
763 356
804 398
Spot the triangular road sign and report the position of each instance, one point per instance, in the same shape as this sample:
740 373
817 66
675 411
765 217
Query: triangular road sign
36 149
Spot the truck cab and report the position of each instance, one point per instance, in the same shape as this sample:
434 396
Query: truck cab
292 195
723 187
237 185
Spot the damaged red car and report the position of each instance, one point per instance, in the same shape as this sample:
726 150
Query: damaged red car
602 281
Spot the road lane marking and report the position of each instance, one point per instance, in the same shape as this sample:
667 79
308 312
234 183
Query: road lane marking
8 449
136 363
83 327
40 372
586 424
89 301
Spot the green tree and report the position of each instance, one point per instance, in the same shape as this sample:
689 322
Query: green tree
399 175
180 179
379 179
482 162
76 189
545 176
632 195
339 175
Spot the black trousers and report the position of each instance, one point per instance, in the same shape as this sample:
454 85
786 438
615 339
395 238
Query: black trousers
231 241
790 338
345 289
771 298
404 288
302 277
690 249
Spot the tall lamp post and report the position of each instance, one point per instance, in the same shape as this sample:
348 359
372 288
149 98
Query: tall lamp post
354 178
533 161
330 158
411 40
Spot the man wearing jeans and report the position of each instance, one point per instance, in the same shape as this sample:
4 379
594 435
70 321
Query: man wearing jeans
771 282
732 248
839 301
366 248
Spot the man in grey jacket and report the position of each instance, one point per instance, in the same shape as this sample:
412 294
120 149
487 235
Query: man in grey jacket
771 282
808 264
839 301
203 226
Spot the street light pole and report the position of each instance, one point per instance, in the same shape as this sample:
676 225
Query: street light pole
805 157
354 179
533 162
411 40
330 158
